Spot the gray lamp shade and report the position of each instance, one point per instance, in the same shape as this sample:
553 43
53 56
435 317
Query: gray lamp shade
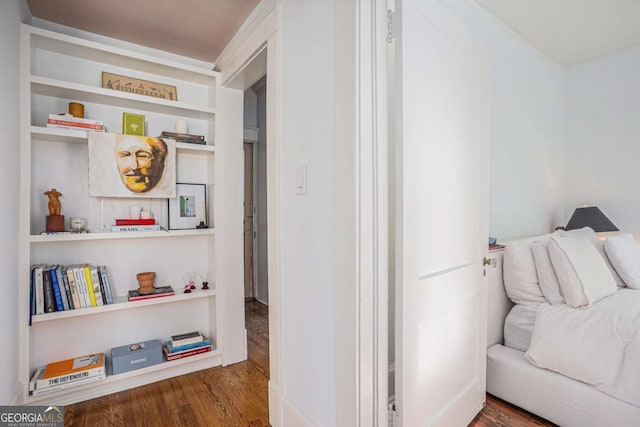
592 217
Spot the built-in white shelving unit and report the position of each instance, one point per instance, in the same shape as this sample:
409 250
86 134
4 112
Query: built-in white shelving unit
57 69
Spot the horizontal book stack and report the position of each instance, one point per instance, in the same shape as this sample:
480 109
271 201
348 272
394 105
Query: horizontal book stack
162 291
67 121
67 373
184 137
60 288
135 224
186 345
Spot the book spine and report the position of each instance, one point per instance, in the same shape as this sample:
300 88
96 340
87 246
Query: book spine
174 135
181 355
105 280
49 300
186 341
127 221
39 290
56 289
97 286
39 392
72 285
141 297
82 287
87 278
63 292
40 383
186 347
32 294
75 124
155 227
67 288
73 119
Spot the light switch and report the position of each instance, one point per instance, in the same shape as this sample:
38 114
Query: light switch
301 180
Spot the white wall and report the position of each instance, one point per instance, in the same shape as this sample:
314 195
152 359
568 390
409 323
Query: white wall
307 135
526 129
603 138
12 12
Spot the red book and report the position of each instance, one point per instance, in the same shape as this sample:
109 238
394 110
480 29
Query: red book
75 124
193 352
163 291
136 221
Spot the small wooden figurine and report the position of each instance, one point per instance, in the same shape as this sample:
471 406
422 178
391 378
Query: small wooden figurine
55 221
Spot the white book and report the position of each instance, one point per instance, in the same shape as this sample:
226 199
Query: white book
39 392
96 285
81 284
39 383
73 286
39 289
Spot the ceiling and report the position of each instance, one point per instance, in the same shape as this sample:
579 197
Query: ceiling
567 31
195 28
571 31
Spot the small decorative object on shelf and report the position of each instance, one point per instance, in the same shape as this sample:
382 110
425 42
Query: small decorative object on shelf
138 86
202 212
76 109
205 285
181 126
146 282
78 224
55 221
135 356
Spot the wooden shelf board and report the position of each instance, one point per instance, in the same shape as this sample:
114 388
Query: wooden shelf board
121 303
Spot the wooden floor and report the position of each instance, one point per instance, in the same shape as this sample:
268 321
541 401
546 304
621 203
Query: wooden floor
235 395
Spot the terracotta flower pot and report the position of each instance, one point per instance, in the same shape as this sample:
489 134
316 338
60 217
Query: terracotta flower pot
146 282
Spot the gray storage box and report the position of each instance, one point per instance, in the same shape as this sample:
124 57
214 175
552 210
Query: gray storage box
135 356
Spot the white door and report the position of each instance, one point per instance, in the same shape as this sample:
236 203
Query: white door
441 219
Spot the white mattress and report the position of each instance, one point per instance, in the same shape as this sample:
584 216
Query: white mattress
553 396
518 326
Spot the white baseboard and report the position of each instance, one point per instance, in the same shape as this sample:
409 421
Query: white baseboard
18 395
283 412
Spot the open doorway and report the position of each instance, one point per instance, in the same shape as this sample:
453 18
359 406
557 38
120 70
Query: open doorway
255 193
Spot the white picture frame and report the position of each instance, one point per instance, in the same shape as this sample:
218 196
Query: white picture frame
188 210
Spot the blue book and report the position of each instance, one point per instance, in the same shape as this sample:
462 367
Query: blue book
186 346
63 291
56 289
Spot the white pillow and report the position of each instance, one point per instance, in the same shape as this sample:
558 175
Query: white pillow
547 278
624 254
519 272
584 278
599 244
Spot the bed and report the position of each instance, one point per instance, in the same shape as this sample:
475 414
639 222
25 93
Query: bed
555 397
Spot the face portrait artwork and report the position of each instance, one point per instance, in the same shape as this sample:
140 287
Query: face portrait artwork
140 162
131 166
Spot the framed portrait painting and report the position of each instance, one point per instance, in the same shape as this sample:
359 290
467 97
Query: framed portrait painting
189 208
131 166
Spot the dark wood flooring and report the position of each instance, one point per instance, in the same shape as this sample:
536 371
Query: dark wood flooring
235 395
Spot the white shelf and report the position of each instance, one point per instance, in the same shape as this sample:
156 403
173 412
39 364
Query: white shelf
121 303
62 89
81 137
80 48
53 238
138 377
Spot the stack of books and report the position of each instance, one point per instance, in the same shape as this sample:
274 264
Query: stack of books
61 288
184 137
67 373
185 345
135 224
162 291
67 121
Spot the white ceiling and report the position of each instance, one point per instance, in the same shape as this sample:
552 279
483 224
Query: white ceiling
195 28
571 31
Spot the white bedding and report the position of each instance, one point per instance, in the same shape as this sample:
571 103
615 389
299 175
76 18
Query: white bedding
599 345
518 326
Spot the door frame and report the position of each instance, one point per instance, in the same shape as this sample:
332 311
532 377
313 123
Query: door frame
254 225
369 391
